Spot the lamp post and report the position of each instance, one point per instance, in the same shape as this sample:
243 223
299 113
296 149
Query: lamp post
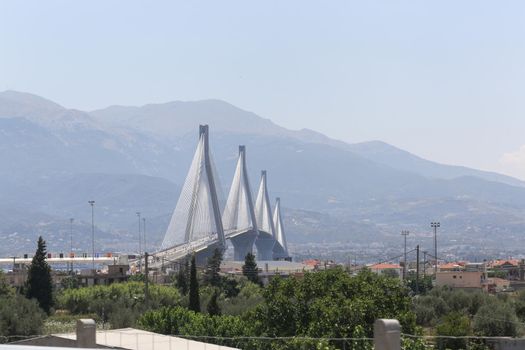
405 234
435 226
71 242
140 243
144 233
92 203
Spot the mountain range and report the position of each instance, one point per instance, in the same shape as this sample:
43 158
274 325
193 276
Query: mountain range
131 159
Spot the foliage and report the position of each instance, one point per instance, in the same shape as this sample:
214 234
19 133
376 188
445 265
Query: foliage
120 304
424 284
496 319
324 304
433 306
213 268
248 298
69 282
183 278
5 289
454 324
138 277
39 282
249 269
184 322
213 308
20 316
332 304
194 300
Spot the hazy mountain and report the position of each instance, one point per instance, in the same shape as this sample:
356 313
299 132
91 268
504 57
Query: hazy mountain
132 159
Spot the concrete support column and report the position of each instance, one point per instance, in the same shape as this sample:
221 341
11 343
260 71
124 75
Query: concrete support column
86 333
387 335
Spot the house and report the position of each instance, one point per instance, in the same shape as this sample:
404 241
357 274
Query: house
393 270
452 266
461 279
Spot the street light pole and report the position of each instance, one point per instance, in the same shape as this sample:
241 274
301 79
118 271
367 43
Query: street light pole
140 243
144 233
435 226
71 241
405 234
92 203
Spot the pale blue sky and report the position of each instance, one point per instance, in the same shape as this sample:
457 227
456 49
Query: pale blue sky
442 79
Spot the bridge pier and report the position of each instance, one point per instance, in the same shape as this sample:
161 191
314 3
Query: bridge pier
264 243
201 257
242 245
278 252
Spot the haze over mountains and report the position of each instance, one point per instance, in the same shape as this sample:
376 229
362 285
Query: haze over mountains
132 159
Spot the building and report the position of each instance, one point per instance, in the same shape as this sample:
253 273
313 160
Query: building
387 269
461 279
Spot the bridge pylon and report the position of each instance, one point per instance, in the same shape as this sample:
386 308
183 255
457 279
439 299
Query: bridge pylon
240 225
196 221
263 215
280 249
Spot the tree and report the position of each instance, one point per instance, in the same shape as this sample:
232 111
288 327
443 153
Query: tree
496 319
249 269
455 324
195 304
213 267
213 307
39 282
5 289
182 278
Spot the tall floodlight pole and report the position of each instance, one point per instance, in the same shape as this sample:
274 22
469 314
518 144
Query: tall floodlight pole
144 233
140 243
92 203
405 234
435 226
71 242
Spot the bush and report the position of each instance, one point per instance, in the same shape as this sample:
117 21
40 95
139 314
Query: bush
20 316
496 319
454 324
119 303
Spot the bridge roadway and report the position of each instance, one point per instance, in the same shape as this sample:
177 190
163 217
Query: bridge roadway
170 255
57 260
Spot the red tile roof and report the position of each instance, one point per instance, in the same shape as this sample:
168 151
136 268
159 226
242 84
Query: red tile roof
384 266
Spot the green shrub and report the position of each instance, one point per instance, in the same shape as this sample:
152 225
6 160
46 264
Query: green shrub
20 316
119 303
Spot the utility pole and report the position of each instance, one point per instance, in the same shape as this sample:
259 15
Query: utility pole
417 269
92 203
424 264
146 281
435 226
405 234
71 242
140 244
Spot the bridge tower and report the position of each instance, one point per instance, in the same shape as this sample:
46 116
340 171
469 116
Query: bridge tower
263 216
197 215
239 214
280 249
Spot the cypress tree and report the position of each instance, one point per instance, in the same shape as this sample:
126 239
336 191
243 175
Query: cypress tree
249 269
39 282
183 277
213 307
213 267
195 304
